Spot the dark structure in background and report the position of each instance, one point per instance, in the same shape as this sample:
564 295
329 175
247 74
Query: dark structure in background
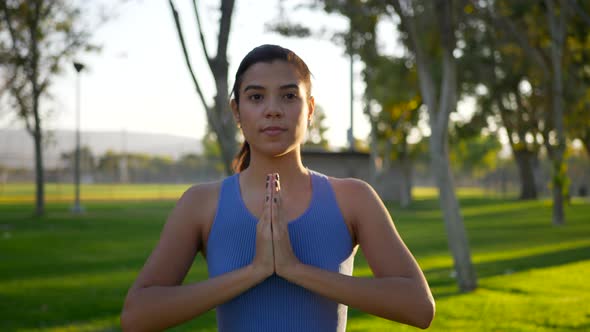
357 165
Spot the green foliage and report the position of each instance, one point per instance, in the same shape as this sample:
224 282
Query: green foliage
317 132
36 40
212 149
391 83
61 32
475 155
89 261
87 159
148 168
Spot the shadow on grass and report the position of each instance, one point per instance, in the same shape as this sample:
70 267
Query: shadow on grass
440 277
80 313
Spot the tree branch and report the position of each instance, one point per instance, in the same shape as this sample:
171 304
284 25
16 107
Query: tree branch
506 25
573 4
201 35
186 57
208 110
426 81
24 113
448 88
227 8
8 22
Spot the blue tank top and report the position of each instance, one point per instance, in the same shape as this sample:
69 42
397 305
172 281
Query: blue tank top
319 237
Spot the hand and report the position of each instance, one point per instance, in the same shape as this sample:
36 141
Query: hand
263 261
284 257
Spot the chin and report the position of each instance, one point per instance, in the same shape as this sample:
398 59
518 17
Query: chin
278 150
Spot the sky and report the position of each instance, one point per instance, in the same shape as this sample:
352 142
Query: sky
139 82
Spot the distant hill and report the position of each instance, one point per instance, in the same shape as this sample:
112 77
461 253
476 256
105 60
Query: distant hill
16 146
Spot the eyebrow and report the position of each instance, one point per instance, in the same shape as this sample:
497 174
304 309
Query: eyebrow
282 87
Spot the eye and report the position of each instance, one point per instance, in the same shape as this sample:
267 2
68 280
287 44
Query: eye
290 96
255 97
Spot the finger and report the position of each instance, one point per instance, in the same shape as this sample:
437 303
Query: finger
276 210
270 188
277 182
269 178
275 197
267 198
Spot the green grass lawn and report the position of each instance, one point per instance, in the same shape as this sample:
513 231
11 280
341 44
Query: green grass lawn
65 272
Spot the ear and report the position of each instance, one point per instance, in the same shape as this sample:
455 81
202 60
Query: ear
234 108
310 107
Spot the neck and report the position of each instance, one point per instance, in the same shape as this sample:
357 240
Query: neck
289 167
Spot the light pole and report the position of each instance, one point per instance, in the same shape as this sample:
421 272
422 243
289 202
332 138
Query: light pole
77 207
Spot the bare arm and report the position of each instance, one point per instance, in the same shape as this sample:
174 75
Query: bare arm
398 291
157 300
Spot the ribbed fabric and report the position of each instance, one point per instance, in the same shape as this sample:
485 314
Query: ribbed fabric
319 237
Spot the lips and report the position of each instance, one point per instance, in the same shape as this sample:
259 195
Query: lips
273 130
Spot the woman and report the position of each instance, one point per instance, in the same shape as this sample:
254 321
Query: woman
279 239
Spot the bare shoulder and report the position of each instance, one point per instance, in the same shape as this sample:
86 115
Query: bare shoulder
350 185
353 197
353 193
202 192
199 202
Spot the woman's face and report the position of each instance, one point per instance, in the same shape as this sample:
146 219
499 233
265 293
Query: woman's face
274 107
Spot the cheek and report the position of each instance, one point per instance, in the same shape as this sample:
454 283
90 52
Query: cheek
247 115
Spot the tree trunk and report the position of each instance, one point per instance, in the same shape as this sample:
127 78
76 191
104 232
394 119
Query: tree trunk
220 68
528 186
586 142
405 181
226 134
439 110
39 173
219 116
557 28
558 212
36 93
457 236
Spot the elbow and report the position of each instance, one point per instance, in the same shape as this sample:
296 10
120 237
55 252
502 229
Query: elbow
419 314
426 316
127 321
130 323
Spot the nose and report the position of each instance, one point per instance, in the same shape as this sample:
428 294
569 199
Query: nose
273 108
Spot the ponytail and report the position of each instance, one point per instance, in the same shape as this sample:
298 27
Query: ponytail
242 160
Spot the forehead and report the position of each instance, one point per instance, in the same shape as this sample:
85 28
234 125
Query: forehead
271 74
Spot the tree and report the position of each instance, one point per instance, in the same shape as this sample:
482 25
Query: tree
496 73
363 16
316 132
391 100
475 154
557 26
577 89
393 85
219 115
38 38
87 159
212 151
440 95
540 29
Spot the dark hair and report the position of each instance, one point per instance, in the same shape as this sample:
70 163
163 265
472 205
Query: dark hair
264 53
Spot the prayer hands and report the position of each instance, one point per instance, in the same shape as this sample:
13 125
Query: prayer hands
274 253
